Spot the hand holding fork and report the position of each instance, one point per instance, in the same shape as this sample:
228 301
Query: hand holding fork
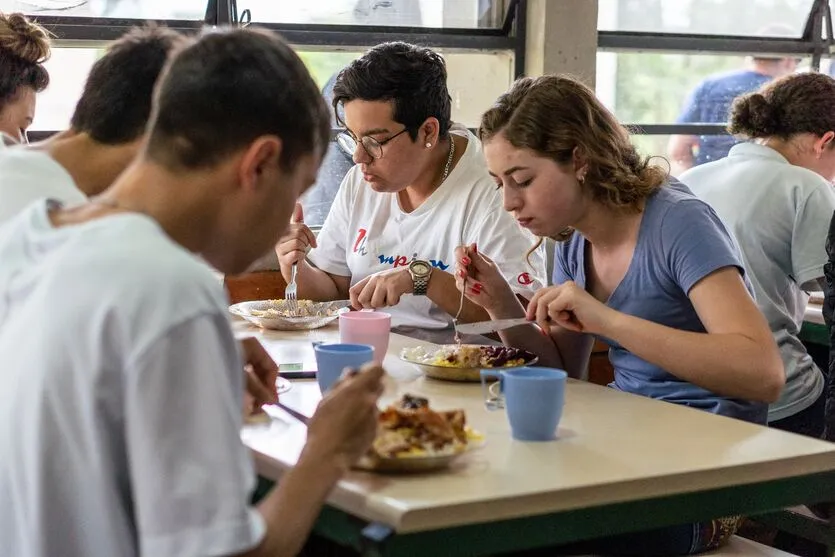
291 291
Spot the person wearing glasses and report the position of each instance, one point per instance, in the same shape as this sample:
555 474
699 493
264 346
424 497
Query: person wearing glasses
24 47
419 188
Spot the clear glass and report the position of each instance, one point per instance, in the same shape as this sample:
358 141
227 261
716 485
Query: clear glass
655 88
756 18
141 9
657 147
469 14
68 69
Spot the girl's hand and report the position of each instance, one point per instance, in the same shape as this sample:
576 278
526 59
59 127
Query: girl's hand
480 280
570 307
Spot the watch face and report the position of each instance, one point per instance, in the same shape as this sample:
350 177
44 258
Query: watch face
420 268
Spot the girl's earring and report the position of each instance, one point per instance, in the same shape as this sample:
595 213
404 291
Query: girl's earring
428 145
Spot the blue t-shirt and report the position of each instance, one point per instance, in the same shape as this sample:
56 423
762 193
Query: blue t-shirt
710 103
680 241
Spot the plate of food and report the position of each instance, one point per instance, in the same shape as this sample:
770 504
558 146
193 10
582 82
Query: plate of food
463 362
411 437
279 315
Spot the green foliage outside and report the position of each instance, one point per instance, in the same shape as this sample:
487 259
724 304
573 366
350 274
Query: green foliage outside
651 87
322 65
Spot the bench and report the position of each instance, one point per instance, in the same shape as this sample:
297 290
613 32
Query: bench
741 547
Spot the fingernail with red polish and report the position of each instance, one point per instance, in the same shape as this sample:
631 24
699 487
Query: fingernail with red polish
466 261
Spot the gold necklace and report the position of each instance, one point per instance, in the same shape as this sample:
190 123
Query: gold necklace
448 164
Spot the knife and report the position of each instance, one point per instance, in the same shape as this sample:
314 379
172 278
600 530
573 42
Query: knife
483 327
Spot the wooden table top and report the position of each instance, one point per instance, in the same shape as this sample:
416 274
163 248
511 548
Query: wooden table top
611 447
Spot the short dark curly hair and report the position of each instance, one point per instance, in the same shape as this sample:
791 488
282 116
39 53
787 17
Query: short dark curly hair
116 102
414 78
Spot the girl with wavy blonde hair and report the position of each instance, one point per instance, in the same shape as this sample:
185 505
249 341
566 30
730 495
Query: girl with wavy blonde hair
641 265
24 47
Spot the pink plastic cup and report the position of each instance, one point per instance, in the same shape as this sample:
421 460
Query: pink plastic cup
366 327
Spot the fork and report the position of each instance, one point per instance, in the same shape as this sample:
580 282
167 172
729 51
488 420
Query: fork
290 292
457 337
295 413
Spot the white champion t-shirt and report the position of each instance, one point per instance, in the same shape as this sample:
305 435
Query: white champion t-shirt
779 215
367 232
27 175
120 411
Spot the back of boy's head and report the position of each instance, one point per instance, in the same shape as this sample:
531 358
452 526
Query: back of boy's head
228 88
116 102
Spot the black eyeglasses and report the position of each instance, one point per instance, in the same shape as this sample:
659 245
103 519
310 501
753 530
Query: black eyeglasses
373 147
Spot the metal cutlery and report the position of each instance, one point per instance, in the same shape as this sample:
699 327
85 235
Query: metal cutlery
294 413
483 327
290 292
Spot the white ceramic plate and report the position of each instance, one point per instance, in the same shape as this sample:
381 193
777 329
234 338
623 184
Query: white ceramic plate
415 464
321 314
419 356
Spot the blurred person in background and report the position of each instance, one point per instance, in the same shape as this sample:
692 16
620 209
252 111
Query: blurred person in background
24 47
106 129
710 102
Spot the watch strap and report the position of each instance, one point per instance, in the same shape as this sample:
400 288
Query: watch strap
421 284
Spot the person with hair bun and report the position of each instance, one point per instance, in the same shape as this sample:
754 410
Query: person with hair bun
774 193
24 47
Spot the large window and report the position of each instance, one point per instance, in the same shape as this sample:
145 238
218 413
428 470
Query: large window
138 9
760 18
673 69
653 87
402 13
470 14
68 68
481 41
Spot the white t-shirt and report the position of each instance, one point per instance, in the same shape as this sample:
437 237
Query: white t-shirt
779 215
27 175
120 411
367 232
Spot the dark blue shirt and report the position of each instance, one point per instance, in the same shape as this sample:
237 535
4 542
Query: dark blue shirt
680 242
710 103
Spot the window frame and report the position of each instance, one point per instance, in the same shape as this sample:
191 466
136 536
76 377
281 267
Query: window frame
816 42
69 31
76 31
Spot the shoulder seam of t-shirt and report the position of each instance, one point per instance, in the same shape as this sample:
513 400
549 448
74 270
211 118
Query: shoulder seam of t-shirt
484 217
816 271
330 269
203 313
823 184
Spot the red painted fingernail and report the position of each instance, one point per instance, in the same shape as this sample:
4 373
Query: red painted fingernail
466 261
475 248
474 291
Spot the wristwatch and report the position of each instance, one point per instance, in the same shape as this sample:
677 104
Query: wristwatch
420 271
